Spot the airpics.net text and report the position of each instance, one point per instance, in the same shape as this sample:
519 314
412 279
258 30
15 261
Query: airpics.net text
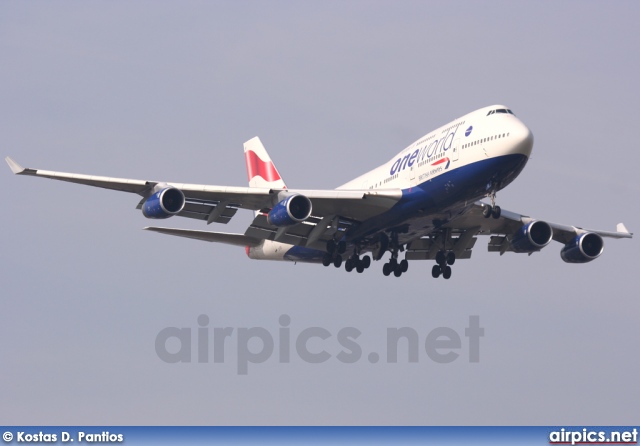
312 345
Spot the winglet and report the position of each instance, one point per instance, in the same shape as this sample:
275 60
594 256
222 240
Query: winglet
15 167
622 228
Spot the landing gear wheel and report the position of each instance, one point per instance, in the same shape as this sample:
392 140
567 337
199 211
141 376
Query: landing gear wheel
435 271
386 269
404 265
342 247
487 211
393 263
327 259
451 258
397 271
366 262
441 259
360 267
348 265
337 262
446 272
496 212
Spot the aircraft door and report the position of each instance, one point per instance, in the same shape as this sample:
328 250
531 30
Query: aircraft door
455 154
412 175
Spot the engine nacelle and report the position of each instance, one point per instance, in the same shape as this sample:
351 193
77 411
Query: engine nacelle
164 203
291 210
582 249
532 237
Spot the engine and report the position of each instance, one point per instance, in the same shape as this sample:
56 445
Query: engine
164 203
291 210
582 249
532 237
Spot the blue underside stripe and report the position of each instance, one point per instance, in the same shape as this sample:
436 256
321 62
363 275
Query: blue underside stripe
446 191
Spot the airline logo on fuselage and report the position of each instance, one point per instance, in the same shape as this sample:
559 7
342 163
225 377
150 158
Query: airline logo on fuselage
427 151
442 161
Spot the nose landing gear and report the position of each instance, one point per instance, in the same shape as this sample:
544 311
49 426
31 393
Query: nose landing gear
492 210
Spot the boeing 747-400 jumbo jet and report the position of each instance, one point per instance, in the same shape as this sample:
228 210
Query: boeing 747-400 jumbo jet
423 203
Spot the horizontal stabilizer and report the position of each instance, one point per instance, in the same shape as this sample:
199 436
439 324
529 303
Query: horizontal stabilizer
15 167
622 228
209 236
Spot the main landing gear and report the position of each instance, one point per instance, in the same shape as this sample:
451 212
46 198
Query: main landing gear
355 262
393 266
443 260
334 253
334 257
492 210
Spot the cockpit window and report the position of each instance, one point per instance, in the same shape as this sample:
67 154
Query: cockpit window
501 110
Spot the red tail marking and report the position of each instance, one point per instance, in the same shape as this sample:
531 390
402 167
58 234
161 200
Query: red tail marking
255 166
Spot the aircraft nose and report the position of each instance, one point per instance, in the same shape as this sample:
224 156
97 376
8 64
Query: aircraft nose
523 140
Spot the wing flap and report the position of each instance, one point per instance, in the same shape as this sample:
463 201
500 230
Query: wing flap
499 244
427 248
431 255
508 223
301 234
209 212
293 235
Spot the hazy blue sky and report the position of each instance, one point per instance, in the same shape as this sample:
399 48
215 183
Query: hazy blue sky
170 91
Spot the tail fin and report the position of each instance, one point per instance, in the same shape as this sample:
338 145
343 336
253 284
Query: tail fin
260 169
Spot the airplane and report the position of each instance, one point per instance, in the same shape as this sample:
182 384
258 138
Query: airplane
424 202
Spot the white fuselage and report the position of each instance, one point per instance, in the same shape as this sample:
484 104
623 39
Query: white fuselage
491 136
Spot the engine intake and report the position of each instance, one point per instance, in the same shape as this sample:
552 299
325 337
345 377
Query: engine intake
290 211
582 249
164 203
532 237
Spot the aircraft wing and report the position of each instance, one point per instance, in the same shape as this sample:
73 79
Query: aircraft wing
510 222
462 232
220 203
